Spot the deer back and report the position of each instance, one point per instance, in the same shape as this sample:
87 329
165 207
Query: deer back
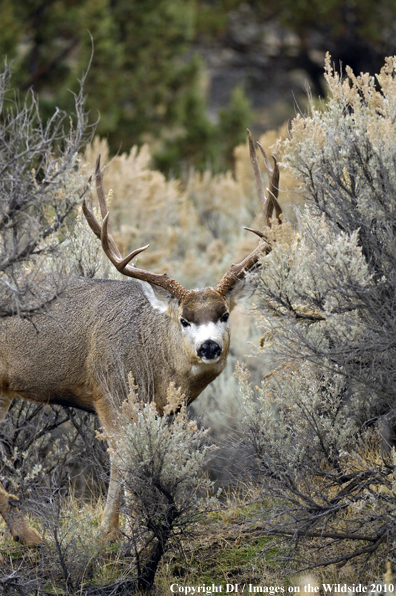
89 339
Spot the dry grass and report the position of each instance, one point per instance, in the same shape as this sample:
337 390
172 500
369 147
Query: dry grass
230 546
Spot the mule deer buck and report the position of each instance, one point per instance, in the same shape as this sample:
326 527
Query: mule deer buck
152 327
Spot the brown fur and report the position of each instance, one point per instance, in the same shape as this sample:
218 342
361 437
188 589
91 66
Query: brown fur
203 306
79 351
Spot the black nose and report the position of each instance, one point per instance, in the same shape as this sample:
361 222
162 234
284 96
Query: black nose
209 350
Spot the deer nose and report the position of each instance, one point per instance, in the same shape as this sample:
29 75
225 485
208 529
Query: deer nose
209 350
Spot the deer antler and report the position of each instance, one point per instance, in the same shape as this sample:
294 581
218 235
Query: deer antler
236 271
111 250
268 204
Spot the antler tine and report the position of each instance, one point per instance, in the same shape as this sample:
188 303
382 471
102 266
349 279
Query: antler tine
268 204
111 250
106 239
256 171
257 232
88 211
273 190
89 215
267 162
100 189
104 210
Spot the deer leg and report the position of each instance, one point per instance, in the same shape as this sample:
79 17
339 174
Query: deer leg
16 523
110 526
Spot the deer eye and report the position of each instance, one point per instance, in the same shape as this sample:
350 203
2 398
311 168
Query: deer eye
184 323
224 318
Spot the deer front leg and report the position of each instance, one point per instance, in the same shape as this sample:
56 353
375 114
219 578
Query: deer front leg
109 419
16 523
110 525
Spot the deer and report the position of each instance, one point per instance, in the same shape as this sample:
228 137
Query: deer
151 326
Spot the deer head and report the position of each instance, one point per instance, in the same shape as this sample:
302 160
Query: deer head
201 314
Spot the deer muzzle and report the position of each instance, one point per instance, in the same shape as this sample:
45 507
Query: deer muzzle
209 350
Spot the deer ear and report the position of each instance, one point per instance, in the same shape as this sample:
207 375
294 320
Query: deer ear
160 299
241 291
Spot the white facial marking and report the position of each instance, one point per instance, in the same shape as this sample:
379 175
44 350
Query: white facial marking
198 334
213 331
